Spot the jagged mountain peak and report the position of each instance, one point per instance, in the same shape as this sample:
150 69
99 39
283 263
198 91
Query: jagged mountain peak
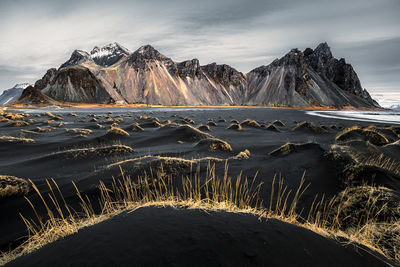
145 54
149 52
223 73
109 54
189 68
112 48
77 57
21 85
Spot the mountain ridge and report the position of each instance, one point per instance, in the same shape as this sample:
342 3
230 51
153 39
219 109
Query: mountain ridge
113 74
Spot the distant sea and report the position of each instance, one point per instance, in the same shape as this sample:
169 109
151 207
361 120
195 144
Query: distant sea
391 117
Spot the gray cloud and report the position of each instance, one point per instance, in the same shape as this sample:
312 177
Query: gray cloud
37 35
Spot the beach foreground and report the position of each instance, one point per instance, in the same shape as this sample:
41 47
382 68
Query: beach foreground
349 169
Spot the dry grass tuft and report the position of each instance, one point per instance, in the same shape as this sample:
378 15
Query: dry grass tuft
367 134
288 148
103 151
117 131
215 144
244 155
278 123
13 186
235 126
305 125
18 123
135 127
12 139
203 127
79 131
325 217
250 123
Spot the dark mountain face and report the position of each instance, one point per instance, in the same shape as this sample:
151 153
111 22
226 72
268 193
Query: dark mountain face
224 74
336 71
32 95
189 68
147 54
75 84
312 77
77 57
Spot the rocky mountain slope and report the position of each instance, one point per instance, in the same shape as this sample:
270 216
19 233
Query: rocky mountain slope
113 74
10 95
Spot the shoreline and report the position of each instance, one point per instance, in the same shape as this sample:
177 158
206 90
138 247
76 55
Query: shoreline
115 106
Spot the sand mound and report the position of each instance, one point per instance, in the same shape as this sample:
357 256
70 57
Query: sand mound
192 237
235 121
12 186
18 123
79 131
215 144
235 126
367 134
151 123
113 150
278 123
44 130
250 123
244 155
372 209
211 123
188 121
12 139
360 162
289 148
203 127
355 200
135 127
270 127
306 126
117 131
187 133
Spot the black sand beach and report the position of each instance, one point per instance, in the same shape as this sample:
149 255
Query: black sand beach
75 145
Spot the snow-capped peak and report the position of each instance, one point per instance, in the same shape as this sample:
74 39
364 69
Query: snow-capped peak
109 54
21 85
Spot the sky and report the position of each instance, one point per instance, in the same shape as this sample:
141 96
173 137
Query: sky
38 35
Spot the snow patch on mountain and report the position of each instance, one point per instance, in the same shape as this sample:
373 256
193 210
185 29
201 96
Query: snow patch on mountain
12 94
108 55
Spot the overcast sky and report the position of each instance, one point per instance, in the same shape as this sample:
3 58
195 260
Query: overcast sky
37 35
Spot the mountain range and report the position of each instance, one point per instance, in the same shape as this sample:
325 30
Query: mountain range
113 74
12 94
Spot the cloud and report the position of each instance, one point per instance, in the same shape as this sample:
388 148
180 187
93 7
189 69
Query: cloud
37 35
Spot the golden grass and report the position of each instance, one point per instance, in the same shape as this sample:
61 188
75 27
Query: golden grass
309 125
194 192
79 131
13 139
13 186
107 150
235 126
250 123
380 161
369 133
18 123
215 144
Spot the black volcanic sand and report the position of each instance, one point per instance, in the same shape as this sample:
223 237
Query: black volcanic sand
154 236
57 153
